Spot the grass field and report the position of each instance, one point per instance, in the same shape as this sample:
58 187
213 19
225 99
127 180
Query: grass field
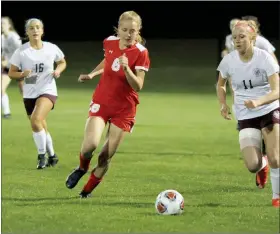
179 142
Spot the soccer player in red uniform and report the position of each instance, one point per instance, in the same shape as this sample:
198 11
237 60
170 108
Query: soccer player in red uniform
115 99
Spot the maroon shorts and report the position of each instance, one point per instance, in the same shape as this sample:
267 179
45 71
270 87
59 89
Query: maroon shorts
123 118
29 103
261 121
5 70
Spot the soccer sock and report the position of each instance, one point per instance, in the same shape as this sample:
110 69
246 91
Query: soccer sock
40 140
84 162
49 145
274 176
92 183
6 104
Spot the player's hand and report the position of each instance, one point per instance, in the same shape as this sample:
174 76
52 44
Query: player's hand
84 77
56 74
123 61
251 104
26 73
225 112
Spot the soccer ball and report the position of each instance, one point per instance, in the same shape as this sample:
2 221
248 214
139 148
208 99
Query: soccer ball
169 202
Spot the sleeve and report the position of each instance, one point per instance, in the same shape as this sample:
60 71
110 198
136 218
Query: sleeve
266 45
143 61
17 42
270 65
223 68
58 54
15 59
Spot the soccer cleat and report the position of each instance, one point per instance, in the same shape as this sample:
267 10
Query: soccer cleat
84 194
275 202
7 116
41 161
73 179
261 176
52 161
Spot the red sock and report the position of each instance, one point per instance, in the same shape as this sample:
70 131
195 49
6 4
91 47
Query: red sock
84 162
92 183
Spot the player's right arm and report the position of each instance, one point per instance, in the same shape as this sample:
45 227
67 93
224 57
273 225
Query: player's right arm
223 69
221 94
14 72
95 72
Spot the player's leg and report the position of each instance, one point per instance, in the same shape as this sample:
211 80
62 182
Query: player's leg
43 106
5 98
52 156
115 137
250 145
93 132
271 137
250 138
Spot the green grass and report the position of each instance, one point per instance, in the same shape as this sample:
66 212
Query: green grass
179 142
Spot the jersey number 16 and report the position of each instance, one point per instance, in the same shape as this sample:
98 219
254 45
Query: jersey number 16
39 67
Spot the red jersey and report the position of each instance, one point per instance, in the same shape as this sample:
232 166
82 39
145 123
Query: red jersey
113 88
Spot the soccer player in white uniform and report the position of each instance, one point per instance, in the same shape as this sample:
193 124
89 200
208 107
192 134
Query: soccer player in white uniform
10 41
255 81
261 42
35 59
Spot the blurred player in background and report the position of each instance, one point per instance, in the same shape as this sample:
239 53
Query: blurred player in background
255 81
36 60
115 99
10 41
228 41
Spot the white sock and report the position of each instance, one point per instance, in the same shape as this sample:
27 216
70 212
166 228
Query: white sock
5 104
264 163
274 176
40 140
50 148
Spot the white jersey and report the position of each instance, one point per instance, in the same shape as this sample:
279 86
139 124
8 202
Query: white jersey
249 81
41 62
261 43
9 45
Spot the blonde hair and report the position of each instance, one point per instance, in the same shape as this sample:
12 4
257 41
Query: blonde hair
132 15
232 23
251 28
27 24
29 21
12 28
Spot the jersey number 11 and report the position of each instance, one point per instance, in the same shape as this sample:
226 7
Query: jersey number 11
245 86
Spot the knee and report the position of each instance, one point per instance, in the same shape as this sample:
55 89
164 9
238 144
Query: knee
36 123
254 166
88 148
103 159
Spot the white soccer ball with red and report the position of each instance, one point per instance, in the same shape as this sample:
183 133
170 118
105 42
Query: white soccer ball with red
169 202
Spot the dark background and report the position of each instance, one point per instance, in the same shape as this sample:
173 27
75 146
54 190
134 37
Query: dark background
85 20
184 39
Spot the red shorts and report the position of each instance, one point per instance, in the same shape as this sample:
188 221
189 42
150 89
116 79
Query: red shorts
123 118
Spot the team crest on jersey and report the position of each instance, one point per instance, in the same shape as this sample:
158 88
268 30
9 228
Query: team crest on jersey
259 72
276 114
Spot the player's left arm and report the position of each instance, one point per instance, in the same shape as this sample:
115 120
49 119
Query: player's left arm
136 81
60 66
60 62
274 94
